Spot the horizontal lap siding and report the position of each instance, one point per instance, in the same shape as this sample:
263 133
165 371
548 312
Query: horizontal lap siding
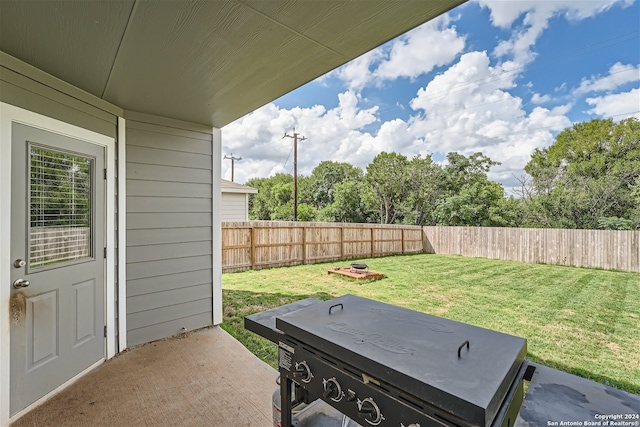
169 229
233 207
31 89
26 92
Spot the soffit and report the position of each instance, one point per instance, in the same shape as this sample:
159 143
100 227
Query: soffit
207 62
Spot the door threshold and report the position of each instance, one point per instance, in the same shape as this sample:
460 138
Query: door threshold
54 392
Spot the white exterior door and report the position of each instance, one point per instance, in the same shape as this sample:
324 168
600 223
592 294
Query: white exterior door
57 301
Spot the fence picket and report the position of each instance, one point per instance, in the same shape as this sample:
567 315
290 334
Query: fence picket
609 249
274 243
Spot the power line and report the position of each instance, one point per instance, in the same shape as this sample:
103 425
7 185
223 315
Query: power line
284 167
295 169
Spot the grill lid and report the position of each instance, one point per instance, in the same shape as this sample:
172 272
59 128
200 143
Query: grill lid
462 369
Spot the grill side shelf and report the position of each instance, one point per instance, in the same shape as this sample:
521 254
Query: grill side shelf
264 323
559 396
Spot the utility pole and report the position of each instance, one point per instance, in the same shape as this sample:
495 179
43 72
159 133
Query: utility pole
233 159
296 138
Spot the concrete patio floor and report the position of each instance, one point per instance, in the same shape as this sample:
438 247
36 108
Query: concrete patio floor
204 378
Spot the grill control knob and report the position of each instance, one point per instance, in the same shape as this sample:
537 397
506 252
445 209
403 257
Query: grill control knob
369 410
302 371
332 389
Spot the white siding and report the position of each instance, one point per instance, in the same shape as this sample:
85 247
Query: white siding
234 207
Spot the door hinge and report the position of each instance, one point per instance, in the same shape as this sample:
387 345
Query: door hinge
105 173
105 331
105 253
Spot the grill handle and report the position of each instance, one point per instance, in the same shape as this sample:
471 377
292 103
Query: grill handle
336 305
462 345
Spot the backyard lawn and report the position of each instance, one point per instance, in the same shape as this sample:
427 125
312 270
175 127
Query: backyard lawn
583 321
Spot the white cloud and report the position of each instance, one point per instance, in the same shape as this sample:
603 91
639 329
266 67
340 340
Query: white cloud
331 135
618 106
357 73
468 109
415 53
619 74
470 83
421 50
540 99
504 13
536 19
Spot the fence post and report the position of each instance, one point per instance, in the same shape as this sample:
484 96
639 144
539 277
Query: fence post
253 248
402 230
372 243
304 244
342 241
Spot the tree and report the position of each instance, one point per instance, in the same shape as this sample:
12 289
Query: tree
468 196
423 178
615 223
348 204
306 212
461 172
60 185
274 199
387 176
305 191
635 197
585 178
480 204
324 179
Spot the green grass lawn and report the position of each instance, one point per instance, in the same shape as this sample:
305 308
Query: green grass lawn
583 321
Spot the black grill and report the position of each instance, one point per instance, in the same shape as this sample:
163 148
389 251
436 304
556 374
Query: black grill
384 365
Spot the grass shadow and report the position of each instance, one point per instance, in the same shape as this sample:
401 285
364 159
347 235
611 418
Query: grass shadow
239 304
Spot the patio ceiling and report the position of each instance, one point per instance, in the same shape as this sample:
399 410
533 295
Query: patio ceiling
208 62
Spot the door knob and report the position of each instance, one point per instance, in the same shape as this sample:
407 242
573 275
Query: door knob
21 283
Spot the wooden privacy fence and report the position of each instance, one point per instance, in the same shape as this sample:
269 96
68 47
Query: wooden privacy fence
59 243
261 244
608 249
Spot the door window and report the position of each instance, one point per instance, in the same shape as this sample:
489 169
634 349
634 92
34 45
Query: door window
60 213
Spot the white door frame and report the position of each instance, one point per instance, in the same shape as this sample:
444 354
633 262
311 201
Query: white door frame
8 115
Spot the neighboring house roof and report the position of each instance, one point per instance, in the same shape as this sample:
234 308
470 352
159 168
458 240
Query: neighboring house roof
201 61
232 187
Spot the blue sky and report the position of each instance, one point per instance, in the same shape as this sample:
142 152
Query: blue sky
500 77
